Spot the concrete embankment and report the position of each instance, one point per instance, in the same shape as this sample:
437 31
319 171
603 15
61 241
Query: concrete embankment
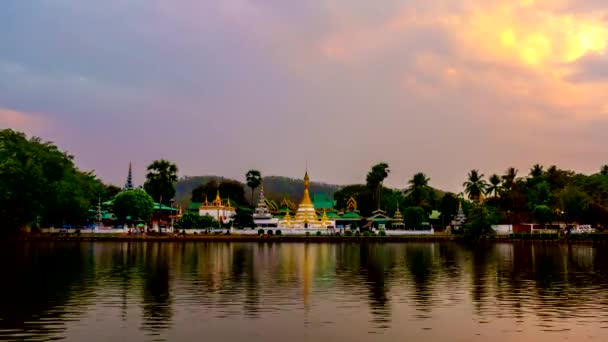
591 238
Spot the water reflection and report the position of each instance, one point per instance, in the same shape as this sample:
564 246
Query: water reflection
232 291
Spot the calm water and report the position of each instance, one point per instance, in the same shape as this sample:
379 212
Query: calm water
303 292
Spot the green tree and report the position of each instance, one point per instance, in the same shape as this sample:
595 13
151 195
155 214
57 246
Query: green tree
39 184
543 214
508 179
134 203
160 180
229 189
413 217
375 178
604 170
418 189
448 206
254 179
243 218
475 186
480 220
361 193
194 220
494 186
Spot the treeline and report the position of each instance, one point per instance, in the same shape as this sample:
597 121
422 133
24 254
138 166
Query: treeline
543 195
41 186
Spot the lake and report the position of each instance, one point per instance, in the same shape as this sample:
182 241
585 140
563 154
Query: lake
212 291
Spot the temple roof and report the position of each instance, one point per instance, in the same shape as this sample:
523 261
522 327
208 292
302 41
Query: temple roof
351 215
322 201
164 207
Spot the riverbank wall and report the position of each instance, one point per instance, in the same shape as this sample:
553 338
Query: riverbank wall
552 238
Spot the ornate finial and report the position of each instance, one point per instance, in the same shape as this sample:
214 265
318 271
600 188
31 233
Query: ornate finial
459 205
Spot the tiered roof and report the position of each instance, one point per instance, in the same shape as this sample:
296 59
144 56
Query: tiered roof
261 211
398 220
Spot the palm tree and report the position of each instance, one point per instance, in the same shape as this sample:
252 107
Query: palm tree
494 187
475 186
418 187
160 180
536 171
604 170
254 179
375 178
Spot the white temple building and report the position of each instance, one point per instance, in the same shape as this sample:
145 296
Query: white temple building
220 210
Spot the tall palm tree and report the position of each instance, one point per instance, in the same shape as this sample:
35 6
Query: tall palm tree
254 179
160 180
494 186
375 178
475 186
418 188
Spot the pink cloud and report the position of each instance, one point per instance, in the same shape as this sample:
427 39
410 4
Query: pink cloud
21 121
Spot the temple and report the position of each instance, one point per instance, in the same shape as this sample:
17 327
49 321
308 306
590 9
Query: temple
222 211
262 216
306 215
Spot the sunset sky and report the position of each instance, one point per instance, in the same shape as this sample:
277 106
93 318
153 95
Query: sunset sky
220 87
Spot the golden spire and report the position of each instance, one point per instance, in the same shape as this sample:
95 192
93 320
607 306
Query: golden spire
206 203
459 205
306 197
217 196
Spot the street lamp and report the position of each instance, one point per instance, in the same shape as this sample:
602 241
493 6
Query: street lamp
172 214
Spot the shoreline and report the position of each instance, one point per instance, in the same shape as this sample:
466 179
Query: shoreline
299 238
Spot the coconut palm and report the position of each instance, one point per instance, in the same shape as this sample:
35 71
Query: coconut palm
418 188
254 179
494 186
536 171
475 186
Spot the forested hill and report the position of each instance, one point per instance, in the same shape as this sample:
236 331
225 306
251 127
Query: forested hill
275 187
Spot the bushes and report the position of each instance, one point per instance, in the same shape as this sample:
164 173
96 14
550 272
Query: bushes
260 231
367 233
269 232
348 233
382 233
278 232
318 233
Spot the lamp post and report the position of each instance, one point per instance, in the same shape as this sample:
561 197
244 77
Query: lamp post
172 214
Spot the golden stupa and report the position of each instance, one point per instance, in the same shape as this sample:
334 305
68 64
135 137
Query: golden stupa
305 216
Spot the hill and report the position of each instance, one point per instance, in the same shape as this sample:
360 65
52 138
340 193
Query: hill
275 187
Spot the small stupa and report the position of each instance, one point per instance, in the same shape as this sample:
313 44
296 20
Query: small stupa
397 221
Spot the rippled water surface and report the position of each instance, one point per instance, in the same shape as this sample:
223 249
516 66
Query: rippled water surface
303 292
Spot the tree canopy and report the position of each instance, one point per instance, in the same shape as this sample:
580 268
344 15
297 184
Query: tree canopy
136 204
160 180
41 186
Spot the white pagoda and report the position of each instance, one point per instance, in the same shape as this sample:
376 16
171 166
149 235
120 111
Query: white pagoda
262 216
